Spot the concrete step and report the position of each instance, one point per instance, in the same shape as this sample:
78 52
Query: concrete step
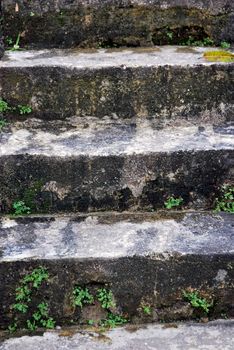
143 259
1 34
67 23
164 83
216 335
101 165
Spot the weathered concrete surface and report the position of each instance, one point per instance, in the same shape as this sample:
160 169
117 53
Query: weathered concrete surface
142 259
96 137
166 83
113 166
213 335
67 23
1 37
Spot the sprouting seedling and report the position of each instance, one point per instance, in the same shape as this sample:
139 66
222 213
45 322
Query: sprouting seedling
172 202
16 45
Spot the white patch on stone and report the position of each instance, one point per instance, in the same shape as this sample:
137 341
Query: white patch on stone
221 275
53 186
7 223
91 220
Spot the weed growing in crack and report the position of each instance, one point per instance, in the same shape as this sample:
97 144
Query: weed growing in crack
82 296
4 106
146 309
3 123
24 109
193 42
16 45
21 109
173 202
113 321
41 318
23 296
197 301
225 45
226 202
20 208
106 298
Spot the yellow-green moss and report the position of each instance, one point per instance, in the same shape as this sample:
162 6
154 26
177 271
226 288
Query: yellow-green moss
219 56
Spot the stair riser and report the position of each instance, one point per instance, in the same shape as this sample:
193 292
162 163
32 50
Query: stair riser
124 182
135 281
129 23
1 37
167 92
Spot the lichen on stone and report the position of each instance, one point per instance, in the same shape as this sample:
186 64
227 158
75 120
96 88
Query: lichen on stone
219 56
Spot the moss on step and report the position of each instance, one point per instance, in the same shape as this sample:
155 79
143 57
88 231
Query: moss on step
219 56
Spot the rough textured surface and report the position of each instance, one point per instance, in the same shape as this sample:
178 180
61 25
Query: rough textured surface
67 23
143 260
166 83
119 166
95 137
214 335
106 236
1 38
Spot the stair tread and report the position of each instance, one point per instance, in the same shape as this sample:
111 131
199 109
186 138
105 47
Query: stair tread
112 236
101 138
104 58
169 82
216 335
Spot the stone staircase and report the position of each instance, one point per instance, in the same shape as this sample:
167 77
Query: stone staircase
99 135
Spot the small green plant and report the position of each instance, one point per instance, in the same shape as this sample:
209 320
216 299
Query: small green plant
4 106
41 318
31 325
23 308
106 298
24 109
23 296
169 34
16 46
225 45
12 327
3 123
172 202
197 302
226 202
147 309
9 41
193 42
82 296
90 322
113 321
20 208
36 277
21 109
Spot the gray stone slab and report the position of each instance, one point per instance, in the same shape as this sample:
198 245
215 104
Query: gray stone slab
83 23
142 258
112 166
166 83
110 58
214 335
95 237
93 137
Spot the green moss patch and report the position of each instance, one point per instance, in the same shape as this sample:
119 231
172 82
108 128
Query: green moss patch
219 56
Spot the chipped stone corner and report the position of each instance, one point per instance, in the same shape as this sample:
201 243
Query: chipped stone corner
60 191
